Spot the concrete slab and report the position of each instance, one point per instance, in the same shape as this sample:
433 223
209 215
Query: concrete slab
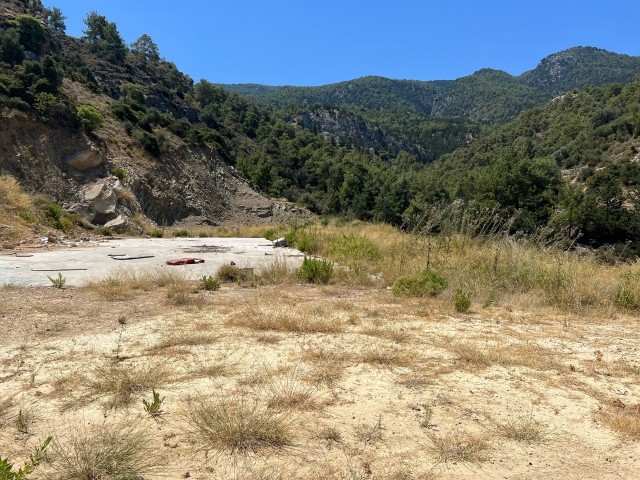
98 259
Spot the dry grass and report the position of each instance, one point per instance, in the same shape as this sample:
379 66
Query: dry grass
290 392
387 356
223 366
624 421
277 272
474 356
123 284
104 451
178 339
285 319
523 429
370 433
238 424
14 201
120 383
460 447
5 410
395 334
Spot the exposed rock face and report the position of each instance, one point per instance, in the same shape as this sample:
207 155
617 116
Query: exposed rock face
347 130
181 185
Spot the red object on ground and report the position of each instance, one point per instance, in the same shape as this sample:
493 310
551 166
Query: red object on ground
185 261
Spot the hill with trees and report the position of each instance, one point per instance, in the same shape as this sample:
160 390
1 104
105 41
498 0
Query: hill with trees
79 112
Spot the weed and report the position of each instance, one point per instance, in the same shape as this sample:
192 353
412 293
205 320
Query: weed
425 416
316 271
331 435
523 429
285 320
153 407
182 233
121 382
424 284
625 299
290 392
220 367
154 233
239 424
209 283
459 446
116 451
25 419
461 301
119 172
385 356
232 273
8 473
57 282
370 434
624 421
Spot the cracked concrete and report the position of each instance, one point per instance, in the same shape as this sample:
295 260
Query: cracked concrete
95 260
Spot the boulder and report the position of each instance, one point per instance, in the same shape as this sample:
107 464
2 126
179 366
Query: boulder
121 224
85 159
101 197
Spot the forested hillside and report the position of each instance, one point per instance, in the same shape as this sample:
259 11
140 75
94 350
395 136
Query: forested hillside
567 168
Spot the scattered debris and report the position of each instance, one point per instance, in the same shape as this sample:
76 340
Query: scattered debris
185 261
131 258
58 270
206 249
280 242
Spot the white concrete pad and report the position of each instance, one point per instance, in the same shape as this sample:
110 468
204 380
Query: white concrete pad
97 260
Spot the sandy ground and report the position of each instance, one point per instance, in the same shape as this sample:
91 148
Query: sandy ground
371 386
87 261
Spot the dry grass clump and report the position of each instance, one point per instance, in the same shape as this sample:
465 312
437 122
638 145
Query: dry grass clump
223 366
527 354
183 339
14 203
277 272
5 408
370 433
183 295
625 421
327 366
386 356
238 424
121 382
285 319
395 334
290 392
123 284
460 447
105 451
523 429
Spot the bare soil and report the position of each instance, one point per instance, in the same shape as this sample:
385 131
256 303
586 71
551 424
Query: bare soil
376 388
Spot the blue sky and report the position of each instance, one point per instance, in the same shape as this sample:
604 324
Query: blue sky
298 42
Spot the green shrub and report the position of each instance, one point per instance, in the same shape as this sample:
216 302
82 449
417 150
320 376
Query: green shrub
355 251
7 471
183 232
89 117
155 233
232 273
119 172
316 271
423 284
461 301
625 299
209 283
28 216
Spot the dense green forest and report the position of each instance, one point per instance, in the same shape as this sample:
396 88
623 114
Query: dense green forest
569 168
